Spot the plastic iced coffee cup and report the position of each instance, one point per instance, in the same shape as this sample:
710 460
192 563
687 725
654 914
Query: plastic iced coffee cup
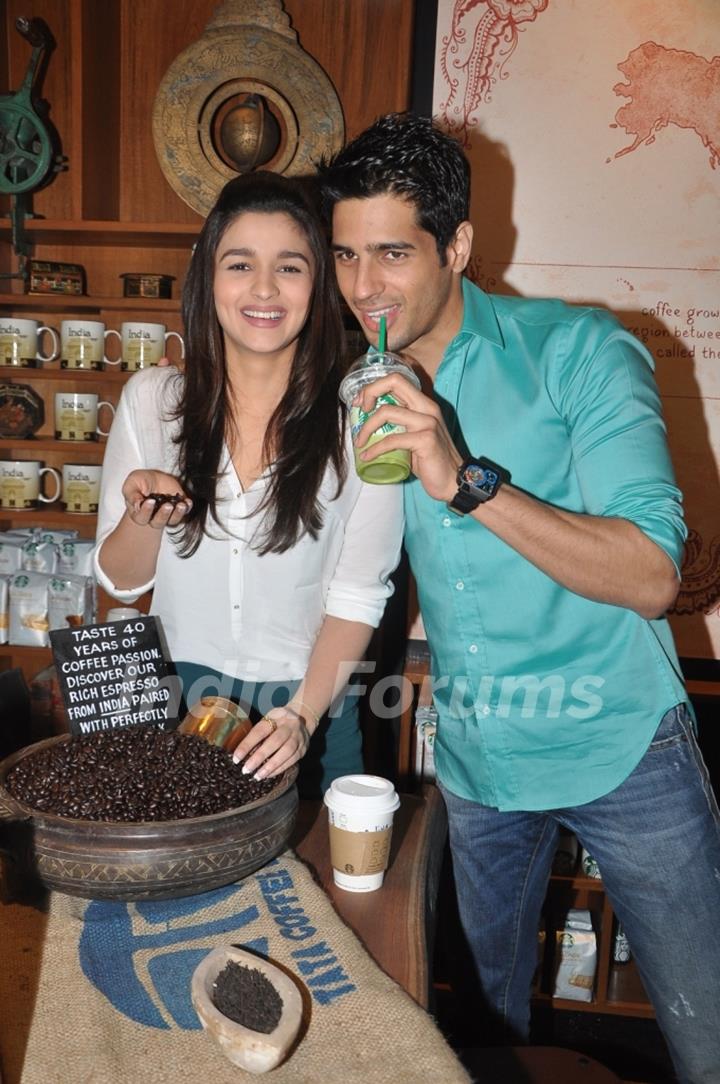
393 466
360 815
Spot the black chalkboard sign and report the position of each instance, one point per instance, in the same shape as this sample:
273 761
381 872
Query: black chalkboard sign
115 675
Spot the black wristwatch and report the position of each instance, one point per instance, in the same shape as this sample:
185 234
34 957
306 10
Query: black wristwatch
478 481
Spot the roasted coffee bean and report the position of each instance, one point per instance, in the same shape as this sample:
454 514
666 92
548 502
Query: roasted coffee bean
133 775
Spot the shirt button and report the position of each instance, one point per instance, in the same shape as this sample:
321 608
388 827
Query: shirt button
486 709
446 521
473 649
236 551
239 495
459 586
236 606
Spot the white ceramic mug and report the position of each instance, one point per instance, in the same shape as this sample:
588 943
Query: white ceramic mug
122 613
83 344
21 482
19 342
81 487
76 415
143 345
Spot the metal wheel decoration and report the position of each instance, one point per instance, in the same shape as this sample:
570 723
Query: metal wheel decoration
243 97
27 152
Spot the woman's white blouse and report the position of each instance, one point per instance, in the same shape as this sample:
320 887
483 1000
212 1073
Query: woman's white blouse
253 617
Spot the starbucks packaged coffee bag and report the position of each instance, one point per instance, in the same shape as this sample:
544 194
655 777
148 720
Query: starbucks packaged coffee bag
57 535
29 609
4 614
71 601
75 555
39 555
576 957
10 554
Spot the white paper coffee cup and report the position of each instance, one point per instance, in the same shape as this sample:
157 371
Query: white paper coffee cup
360 814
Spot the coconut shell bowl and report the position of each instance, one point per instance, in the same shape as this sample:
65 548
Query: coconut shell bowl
250 1049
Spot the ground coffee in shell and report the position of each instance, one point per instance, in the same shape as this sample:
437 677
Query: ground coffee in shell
247 996
133 775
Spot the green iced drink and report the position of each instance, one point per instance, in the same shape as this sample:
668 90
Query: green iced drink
392 466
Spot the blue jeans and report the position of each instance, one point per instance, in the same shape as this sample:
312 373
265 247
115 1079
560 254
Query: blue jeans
656 839
336 745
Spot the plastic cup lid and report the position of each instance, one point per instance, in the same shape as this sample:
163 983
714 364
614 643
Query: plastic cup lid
369 793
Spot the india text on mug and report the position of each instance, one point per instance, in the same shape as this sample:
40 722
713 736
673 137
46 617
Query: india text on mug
81 487
76 416
20 342
144 344
83 344
21 484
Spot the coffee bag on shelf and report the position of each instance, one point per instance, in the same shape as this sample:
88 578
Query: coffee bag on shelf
28 609
576 957
4 610
70 601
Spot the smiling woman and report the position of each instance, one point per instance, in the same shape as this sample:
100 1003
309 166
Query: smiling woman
263 288
272 567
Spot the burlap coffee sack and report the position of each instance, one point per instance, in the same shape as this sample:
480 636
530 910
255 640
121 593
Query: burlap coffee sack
99 993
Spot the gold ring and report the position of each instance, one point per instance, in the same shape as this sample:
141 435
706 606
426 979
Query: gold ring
272 724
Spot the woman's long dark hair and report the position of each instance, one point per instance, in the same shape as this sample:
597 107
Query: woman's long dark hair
306 431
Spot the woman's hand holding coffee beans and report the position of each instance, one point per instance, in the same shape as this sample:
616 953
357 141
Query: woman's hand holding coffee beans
278 740
155 499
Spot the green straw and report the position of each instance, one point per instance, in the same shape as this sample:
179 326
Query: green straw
383 336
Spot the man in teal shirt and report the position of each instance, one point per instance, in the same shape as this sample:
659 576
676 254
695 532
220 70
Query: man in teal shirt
545 532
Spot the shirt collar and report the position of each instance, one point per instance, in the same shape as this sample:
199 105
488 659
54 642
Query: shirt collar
479 317
479 322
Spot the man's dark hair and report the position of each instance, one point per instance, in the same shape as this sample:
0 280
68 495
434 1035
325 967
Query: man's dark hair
404 155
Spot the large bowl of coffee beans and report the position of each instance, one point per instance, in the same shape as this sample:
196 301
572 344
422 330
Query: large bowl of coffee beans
139 814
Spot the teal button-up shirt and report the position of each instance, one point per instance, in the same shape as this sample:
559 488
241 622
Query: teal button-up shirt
545 699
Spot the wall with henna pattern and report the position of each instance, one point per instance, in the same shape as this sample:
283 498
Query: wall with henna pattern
594 133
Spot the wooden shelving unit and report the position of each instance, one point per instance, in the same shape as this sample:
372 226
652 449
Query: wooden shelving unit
617 988
82 217
111 209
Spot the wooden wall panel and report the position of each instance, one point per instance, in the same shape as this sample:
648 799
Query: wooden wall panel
363 45
99 93
152 36
112 55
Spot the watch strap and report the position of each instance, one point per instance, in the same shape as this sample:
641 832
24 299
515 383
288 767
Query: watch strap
468 497
463 503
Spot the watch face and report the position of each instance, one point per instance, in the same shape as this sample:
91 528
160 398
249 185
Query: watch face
480 478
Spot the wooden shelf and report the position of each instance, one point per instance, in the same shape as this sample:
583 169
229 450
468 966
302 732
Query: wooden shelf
115 375
578 880
703 688
67 303
47 231
29 659
50 515
626 993
49 444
